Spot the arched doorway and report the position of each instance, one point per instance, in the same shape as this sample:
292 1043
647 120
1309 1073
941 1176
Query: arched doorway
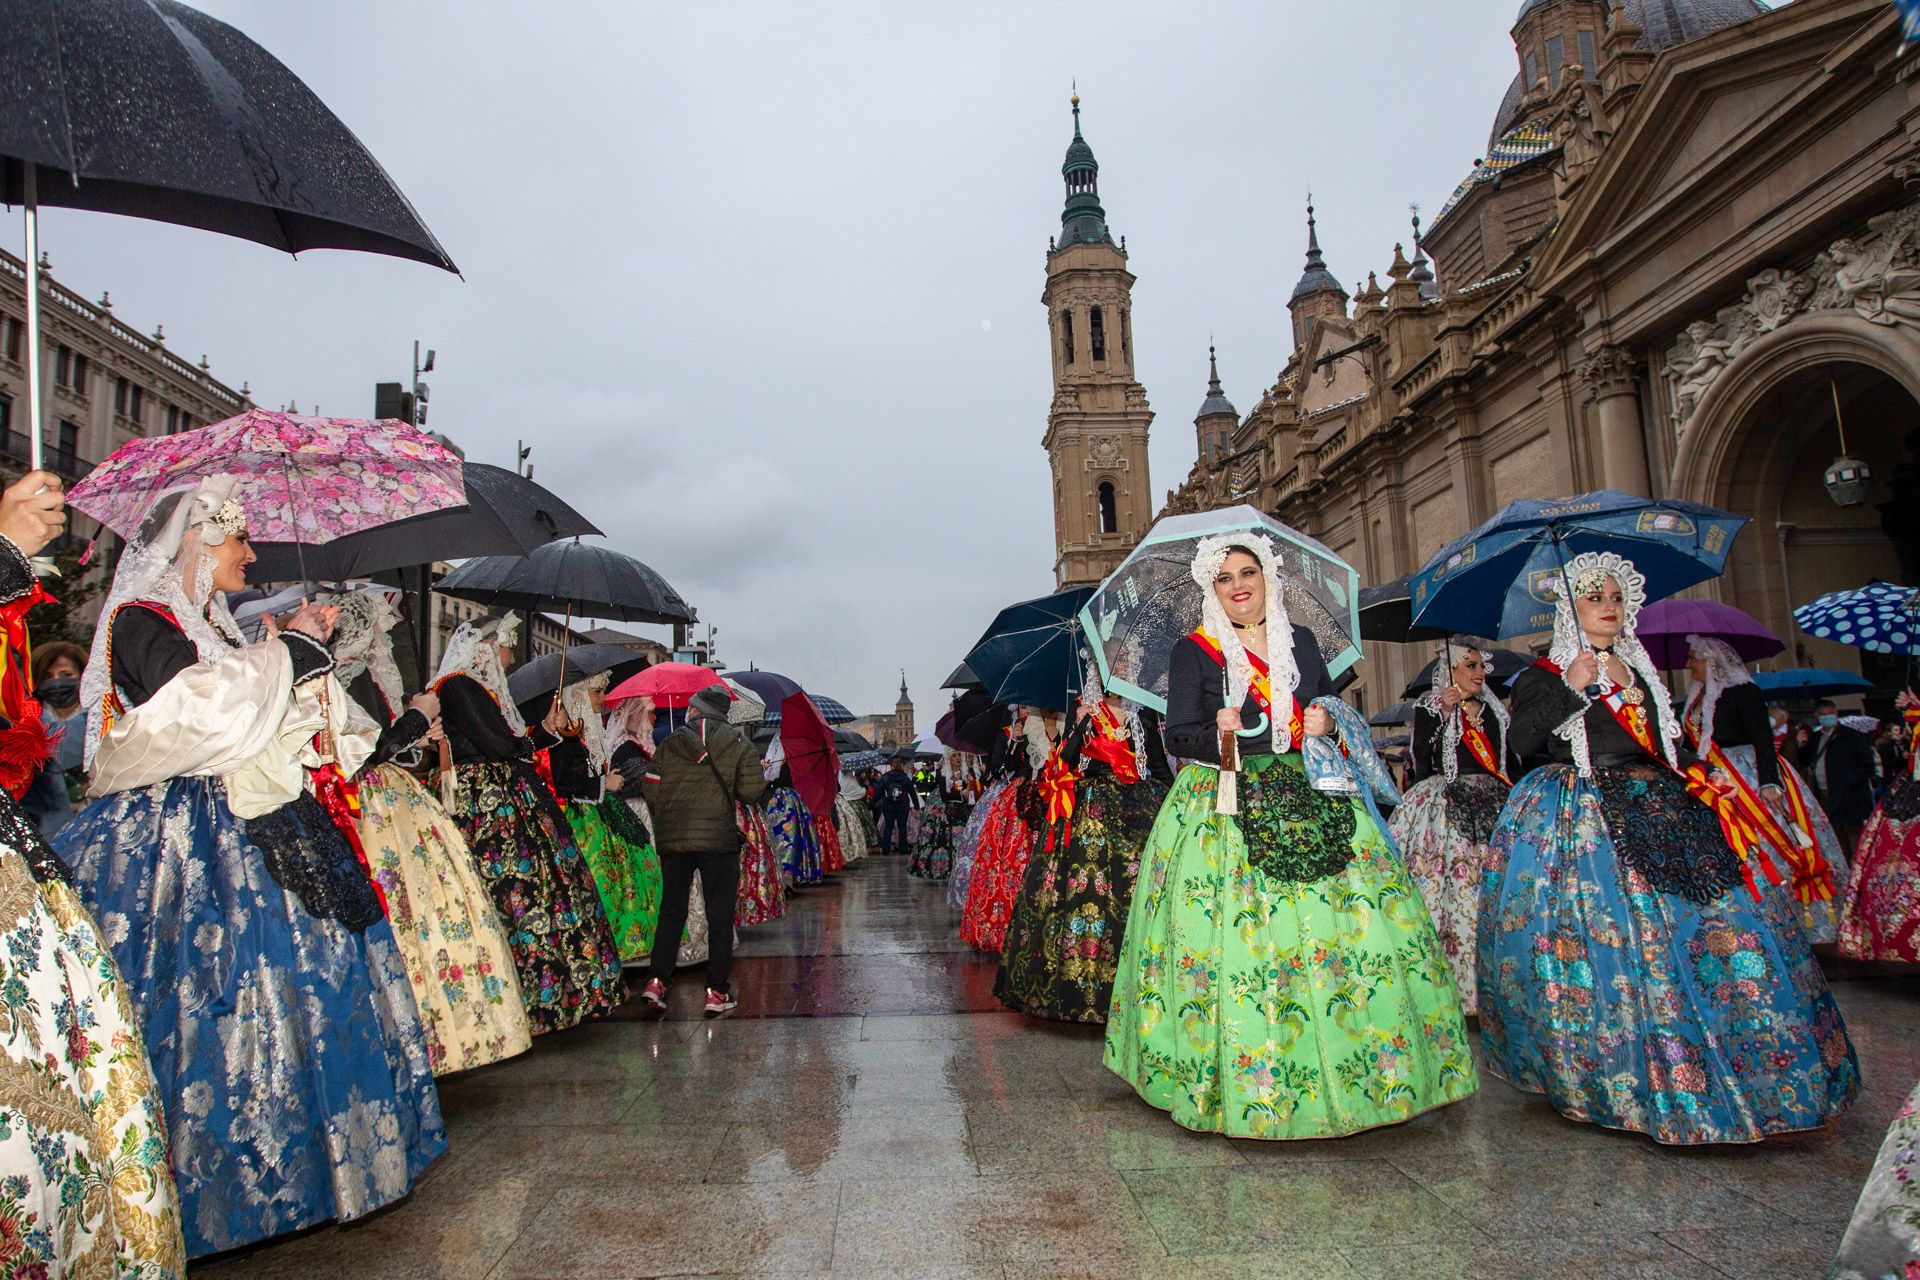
1760 445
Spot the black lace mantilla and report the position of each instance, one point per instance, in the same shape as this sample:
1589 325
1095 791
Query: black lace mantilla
18 833
1665 834
1294 833
1902 801
307 855
1474 802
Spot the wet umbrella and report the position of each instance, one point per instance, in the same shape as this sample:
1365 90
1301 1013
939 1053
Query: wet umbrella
505 514
1507 666
1879 617
154 110
962 678
575 577
1664 625
1386 613
772 688
1031 653
1504 577
1398 713
1810 684
669 684
950 728
831 710
846 740
541 676
811 757
981 733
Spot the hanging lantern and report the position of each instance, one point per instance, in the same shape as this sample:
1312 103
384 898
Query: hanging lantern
1848 478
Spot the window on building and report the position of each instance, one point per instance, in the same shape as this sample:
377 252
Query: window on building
1126 335
11 335
120 386
1533 72
1066 336
174 418
136 403
1556 58
69 441
1098 334
1589 60
62 361
70 369
1109 508
6 417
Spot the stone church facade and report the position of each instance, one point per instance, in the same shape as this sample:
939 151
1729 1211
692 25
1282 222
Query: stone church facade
1688 262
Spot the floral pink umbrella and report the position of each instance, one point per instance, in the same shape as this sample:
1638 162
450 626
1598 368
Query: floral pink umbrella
301 478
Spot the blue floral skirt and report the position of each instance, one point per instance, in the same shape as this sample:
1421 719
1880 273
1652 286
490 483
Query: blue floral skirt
287 1049
1692 1019
794 837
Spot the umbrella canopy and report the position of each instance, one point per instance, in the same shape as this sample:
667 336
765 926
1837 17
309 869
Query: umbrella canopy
1398 713
846 740
747 706
815 765
831 710
853 762
1664 625
1030 653
301 478
593 581
1879 617
962 678
772 688
1386 613
1502 579
1151 600
669 684
1507 666
542 675
1809 684
505 514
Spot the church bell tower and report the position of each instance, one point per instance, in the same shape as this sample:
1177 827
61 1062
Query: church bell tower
1097 427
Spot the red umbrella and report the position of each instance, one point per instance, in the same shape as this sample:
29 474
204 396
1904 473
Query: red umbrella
669 684
808 741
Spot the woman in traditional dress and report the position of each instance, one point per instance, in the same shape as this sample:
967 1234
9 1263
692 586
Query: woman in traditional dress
1279 977
1728 727
1004 767
1006 841
563 948
847 808
1442 826
1629 969
1103 786
791 825
443 921
610 836
932 855
85 1188
282 1027
1880 910
1883 1238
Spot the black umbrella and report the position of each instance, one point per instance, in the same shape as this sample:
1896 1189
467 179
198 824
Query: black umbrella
980 733
1398 713
1507 666
1386 613
542 676
506 515
962 678
574 577
1031 651
771 687
154 110
847 740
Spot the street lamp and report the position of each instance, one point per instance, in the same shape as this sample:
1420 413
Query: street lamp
1848 478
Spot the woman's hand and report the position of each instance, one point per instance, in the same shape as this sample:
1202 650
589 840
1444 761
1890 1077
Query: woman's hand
1721 780
33 511
1582 672
314 621
1903 700
615 783
1228 719
1451 698
427 703
1317 722
436 732
556 720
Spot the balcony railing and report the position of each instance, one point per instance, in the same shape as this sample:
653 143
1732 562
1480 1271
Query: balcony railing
15 447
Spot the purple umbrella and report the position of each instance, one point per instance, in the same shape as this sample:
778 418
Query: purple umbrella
1664 626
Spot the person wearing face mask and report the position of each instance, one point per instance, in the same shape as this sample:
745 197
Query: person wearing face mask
285 1038
56 669
1632 966
1843 773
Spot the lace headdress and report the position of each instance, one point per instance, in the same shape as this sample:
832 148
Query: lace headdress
1724 671
363 641
1447 655
1285 675
577 701
475 651
167 563
631 721
1587 572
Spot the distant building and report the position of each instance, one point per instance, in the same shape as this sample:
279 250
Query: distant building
888 731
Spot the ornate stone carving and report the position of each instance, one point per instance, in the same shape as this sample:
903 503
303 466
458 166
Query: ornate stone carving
1875 275
1609 371
1103 452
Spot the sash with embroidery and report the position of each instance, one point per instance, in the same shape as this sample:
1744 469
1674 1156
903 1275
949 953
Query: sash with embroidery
1475 739
1260 686
1812 876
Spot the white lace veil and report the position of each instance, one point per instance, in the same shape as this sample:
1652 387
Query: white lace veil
475 651
1285 675
1724 671
1584 572
577 701
166 563
363 641
1446 655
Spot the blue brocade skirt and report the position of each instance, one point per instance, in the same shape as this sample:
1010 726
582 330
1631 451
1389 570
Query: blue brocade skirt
1689 1021
287 1049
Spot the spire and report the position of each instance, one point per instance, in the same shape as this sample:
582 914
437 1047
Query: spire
1216 401
904 699
1083 221
1316 278
1422 273
1213 371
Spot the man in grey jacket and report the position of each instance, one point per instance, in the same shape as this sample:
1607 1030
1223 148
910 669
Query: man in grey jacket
697 775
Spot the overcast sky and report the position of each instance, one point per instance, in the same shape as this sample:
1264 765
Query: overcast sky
760 281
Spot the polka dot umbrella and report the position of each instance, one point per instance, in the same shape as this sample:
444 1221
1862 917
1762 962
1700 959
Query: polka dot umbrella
1879 617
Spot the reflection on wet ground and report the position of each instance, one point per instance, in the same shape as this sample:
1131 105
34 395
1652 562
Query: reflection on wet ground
869 1115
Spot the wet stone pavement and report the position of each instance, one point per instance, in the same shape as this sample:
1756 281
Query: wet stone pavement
869 1114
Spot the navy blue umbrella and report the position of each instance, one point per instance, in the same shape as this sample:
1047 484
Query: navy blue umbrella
772 688
1806 684
1503 578
1031 653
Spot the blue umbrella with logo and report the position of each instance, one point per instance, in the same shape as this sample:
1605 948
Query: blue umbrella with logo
1880 617
1806 684
1503 578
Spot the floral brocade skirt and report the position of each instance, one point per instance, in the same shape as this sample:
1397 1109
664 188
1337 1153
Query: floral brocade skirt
86 1189
1883 1237
832 857
444 923
932 855
999 864
1442 829
544 892
794 838
1880 911
625 868
853 836
1259 1005
1063 939
1692 1019
967 846
287 1049
762 897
